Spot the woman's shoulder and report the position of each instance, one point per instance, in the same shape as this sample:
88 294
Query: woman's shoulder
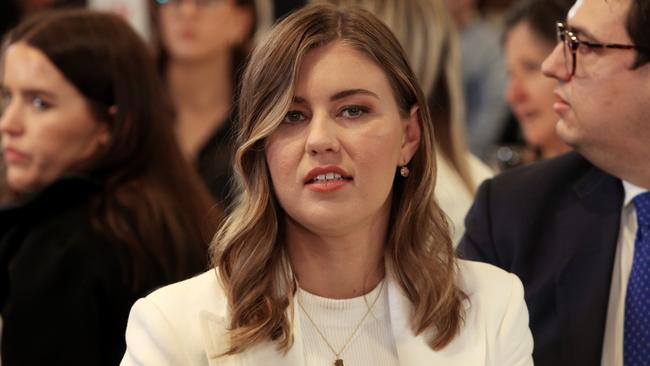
495 313
170 325
485 282
203 291
493 296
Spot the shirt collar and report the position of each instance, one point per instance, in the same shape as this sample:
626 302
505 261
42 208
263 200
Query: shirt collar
631 191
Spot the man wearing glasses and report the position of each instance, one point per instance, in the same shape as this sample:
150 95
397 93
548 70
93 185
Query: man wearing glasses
576 229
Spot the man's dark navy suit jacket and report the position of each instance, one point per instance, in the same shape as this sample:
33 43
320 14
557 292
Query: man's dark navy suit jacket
555 224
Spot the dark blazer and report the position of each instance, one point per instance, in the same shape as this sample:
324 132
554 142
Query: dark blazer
64 297
214 163
555 224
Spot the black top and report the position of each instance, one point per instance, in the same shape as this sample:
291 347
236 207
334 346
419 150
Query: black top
214 162
554 224
63 296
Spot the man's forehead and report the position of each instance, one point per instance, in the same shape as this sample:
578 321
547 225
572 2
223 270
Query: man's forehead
604 19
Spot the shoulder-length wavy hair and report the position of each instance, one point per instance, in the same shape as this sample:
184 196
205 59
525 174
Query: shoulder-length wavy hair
427 33
152 203
249 248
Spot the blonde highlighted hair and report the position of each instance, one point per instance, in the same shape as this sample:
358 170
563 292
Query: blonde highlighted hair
427 33
249 248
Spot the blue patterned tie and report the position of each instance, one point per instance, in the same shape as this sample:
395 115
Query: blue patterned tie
636 340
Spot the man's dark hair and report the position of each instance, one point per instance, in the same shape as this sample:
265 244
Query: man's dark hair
638 27
541 16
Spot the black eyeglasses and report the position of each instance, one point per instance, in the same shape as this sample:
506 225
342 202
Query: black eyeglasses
198 3
572 43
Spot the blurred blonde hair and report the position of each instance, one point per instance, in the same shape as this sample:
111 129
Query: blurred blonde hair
429 38
249 248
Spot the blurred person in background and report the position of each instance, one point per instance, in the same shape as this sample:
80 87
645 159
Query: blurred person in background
136 12
484 77
529 37
9 15
201 47
103 206
429 38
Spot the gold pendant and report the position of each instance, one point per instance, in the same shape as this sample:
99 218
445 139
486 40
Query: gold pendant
338 362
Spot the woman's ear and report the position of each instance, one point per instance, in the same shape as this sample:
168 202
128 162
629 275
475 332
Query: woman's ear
411 135
104 133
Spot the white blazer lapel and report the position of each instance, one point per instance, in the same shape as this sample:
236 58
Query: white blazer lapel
411 350
215 339
267 353
414 350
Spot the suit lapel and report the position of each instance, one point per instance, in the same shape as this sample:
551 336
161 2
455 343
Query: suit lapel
589 249
267 354
414 350
215 342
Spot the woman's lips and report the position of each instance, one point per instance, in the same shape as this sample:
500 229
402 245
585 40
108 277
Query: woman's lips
13 156
327 178
328 186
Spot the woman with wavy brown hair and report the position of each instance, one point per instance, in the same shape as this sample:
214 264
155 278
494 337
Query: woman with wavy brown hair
336 252
103 207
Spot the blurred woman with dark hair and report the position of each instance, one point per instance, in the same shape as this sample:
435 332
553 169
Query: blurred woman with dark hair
528 38
201 47
104 207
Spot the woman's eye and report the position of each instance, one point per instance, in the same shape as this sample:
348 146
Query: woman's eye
293 117
353 111
39 103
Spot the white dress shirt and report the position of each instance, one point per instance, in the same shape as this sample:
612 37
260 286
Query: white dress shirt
613 342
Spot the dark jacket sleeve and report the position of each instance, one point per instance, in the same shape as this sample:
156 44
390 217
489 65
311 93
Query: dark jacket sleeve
67 304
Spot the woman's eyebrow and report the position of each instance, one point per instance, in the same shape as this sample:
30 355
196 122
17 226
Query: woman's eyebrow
349 92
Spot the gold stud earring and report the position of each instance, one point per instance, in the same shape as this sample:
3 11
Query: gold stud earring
404 171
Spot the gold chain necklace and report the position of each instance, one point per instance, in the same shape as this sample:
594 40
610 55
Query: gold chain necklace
338 361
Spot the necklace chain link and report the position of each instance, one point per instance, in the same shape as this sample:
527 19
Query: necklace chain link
338 354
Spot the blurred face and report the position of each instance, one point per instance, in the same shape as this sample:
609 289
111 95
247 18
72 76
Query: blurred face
461 10
604 106
46 125
196 30
335 155
529 92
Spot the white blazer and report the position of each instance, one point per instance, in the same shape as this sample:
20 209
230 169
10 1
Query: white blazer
185 324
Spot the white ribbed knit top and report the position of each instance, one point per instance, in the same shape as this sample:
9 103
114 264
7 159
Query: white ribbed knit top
373 343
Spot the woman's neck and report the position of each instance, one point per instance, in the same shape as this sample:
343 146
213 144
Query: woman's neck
200 85
202 93
337 266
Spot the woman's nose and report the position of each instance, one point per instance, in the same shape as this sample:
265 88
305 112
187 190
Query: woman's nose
322 135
